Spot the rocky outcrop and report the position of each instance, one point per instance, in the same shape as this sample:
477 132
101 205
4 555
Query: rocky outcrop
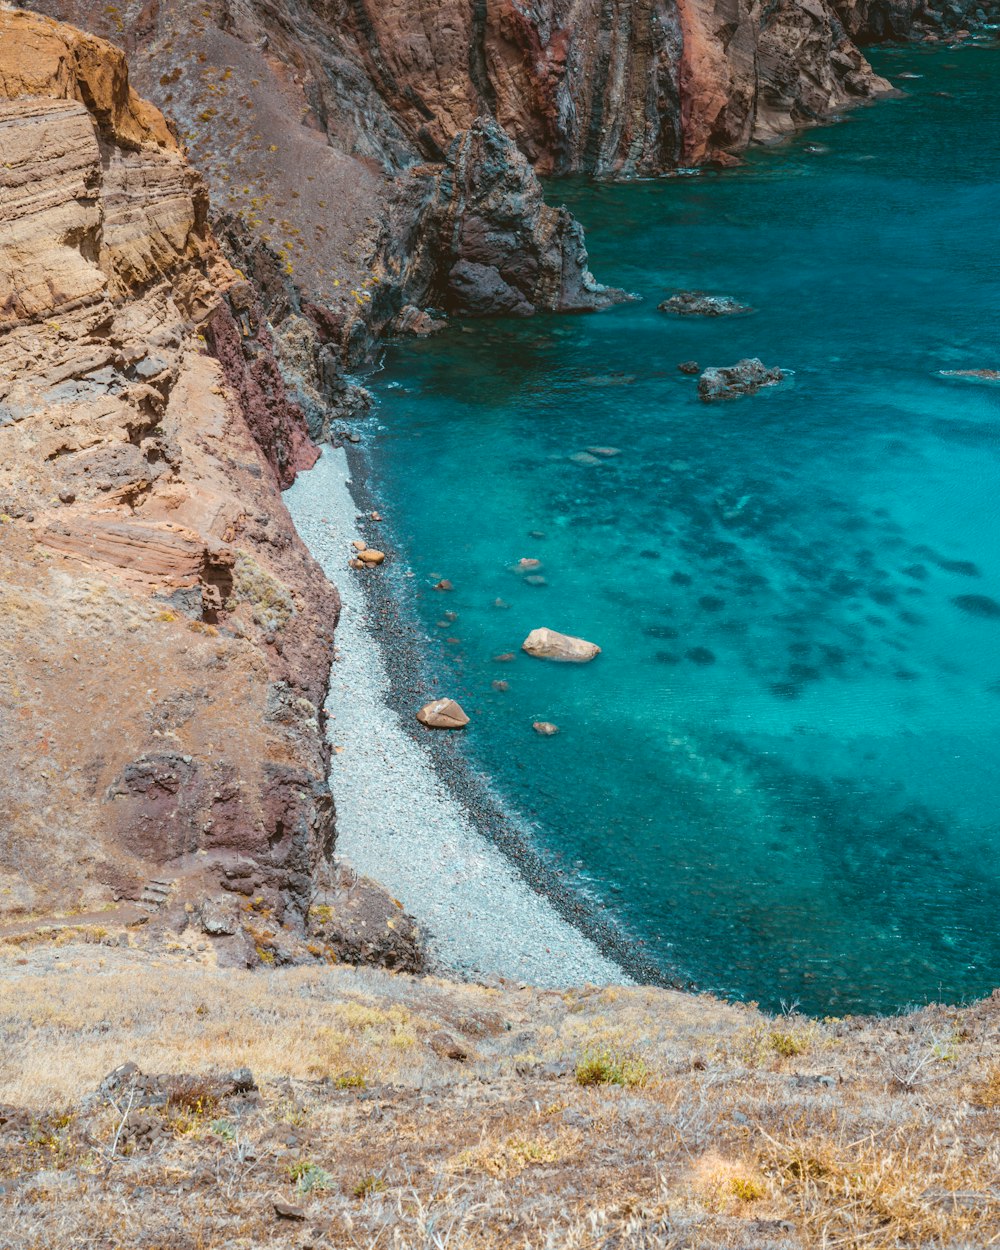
167 637
484 241
336 138
699 304
871 21
746 377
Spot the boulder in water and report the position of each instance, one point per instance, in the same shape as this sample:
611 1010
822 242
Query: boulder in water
545 728
442 714
549 644
698 304
746 377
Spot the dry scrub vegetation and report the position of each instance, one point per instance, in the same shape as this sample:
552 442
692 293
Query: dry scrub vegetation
413 1114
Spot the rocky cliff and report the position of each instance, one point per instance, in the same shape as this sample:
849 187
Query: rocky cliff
872 21
333 134
327 132
167 638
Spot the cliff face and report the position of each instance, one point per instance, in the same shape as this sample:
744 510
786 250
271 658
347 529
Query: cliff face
755 72
331 133
609 87
167 638
875 20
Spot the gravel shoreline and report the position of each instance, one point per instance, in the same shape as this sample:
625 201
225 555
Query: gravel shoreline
397 819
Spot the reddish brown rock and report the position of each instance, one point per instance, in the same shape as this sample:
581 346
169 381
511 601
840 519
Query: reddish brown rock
167 638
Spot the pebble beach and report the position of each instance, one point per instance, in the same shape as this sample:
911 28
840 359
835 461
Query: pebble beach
396 819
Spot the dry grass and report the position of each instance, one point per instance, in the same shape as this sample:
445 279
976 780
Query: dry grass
857 1133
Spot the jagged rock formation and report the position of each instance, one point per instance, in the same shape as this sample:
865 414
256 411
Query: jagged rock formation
327 132
483 241
875 20
167 637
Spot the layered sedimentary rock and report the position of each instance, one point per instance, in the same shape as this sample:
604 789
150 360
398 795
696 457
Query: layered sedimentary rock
327 131
166 636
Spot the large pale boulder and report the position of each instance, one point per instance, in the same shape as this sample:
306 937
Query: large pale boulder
442 714
548 644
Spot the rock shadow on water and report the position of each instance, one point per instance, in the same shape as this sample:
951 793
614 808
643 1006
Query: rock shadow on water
978 605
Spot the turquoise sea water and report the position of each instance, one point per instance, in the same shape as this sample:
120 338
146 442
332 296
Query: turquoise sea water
783 773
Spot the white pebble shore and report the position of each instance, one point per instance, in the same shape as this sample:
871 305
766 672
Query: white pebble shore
396 820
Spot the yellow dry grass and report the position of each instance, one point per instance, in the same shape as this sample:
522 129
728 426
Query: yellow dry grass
744 1131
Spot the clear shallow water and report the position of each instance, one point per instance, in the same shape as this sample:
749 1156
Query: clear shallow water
782 774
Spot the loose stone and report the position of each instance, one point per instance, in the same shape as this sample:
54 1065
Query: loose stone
442 714
549 644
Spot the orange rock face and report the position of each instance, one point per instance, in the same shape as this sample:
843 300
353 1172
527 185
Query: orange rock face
166 637
40 57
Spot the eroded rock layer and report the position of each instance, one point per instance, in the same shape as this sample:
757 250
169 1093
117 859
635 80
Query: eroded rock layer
327 132
167 638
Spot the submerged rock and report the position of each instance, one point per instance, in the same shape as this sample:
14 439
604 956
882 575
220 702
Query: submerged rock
975 375
442 714
978 605
690 367
545 728
746 377
548 644
698 304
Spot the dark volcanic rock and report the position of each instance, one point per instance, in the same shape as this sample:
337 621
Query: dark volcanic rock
498 246
698 304
744 378
356 921
480 290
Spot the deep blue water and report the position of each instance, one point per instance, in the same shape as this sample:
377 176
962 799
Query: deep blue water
782 773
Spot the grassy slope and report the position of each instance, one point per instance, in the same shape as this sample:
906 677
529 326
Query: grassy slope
728 1129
